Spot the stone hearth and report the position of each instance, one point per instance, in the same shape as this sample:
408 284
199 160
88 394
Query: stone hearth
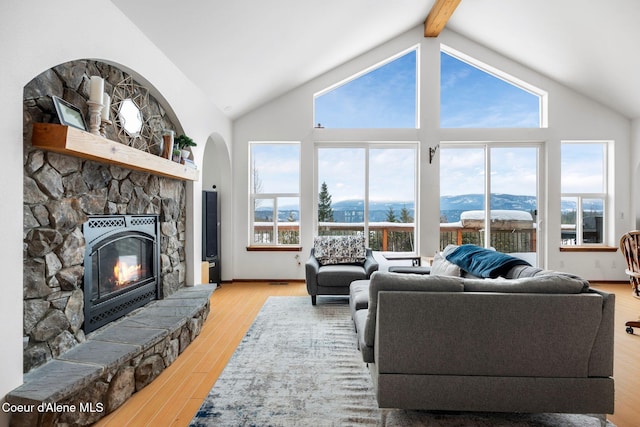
96 377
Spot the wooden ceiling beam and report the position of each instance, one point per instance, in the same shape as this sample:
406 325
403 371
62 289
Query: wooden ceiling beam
439 16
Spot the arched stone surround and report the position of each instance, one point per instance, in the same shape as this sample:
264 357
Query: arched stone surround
59 193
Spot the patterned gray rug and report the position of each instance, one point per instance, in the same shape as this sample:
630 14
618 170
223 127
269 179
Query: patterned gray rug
298 366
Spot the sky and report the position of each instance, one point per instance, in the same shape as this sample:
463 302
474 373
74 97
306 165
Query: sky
513 170
383 98
391 178
386 98
472 98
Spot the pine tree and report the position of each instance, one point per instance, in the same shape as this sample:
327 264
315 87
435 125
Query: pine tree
405 216
325 212
391 216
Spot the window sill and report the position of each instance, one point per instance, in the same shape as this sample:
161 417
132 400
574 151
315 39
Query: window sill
267 248
588 248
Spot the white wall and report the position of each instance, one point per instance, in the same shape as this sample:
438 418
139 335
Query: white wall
571 116
634 176
35 36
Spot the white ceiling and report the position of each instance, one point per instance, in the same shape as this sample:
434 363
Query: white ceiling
244 52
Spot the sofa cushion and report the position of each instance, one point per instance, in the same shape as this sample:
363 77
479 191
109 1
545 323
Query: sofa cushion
442 267
339 249
358 296
483 262
549 283
340 274
367 351
522 271
381 281
410 269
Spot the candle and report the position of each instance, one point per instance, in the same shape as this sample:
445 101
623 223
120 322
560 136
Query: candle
106 105
96 89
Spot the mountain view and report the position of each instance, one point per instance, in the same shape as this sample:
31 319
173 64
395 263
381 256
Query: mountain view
450 208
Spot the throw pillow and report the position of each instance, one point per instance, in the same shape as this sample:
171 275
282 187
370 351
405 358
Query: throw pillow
339 249
442 267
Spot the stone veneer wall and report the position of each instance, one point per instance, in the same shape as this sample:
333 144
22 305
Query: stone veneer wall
60 192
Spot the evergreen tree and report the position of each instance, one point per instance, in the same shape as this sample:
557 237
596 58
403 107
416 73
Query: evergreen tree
404 215
391 216
325 212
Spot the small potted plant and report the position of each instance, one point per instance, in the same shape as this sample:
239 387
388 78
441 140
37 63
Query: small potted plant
175 155
183 142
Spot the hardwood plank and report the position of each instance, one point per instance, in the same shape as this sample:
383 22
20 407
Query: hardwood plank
626 368
174 398
186 413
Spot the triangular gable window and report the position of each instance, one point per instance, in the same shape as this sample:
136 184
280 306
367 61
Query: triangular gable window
384 97
474 96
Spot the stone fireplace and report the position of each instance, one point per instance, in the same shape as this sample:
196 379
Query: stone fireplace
121 261
62 194
102 239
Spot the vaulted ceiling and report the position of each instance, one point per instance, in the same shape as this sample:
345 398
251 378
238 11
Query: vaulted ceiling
242 53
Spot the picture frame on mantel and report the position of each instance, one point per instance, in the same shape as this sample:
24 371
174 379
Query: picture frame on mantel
69 114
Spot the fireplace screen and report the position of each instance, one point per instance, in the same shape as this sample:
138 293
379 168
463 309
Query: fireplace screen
121 266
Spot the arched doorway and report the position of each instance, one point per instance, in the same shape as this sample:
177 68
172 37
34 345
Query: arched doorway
216 175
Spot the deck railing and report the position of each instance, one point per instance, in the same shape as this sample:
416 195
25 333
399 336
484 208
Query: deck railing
507 241
386 237
400 237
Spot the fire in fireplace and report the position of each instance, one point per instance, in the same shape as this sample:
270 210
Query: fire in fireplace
126 270
122 261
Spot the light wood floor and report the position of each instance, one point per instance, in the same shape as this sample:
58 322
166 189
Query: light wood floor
175 396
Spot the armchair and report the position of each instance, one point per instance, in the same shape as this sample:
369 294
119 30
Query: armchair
335 262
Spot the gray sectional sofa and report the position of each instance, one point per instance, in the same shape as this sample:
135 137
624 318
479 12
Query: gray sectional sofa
529 341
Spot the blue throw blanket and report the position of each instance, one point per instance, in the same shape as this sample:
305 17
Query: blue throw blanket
483 262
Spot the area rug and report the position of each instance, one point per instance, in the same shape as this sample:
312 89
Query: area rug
298 365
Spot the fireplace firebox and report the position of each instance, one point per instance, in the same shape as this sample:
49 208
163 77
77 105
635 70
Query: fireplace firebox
122 260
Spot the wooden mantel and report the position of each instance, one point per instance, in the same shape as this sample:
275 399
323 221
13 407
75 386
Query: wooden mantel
75 142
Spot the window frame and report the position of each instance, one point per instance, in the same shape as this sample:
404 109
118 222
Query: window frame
274 196
489 189
368 146
581 196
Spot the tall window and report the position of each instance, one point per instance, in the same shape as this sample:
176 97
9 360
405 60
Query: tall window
274 181
498 178
584 192
369 189
472 95
385 97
